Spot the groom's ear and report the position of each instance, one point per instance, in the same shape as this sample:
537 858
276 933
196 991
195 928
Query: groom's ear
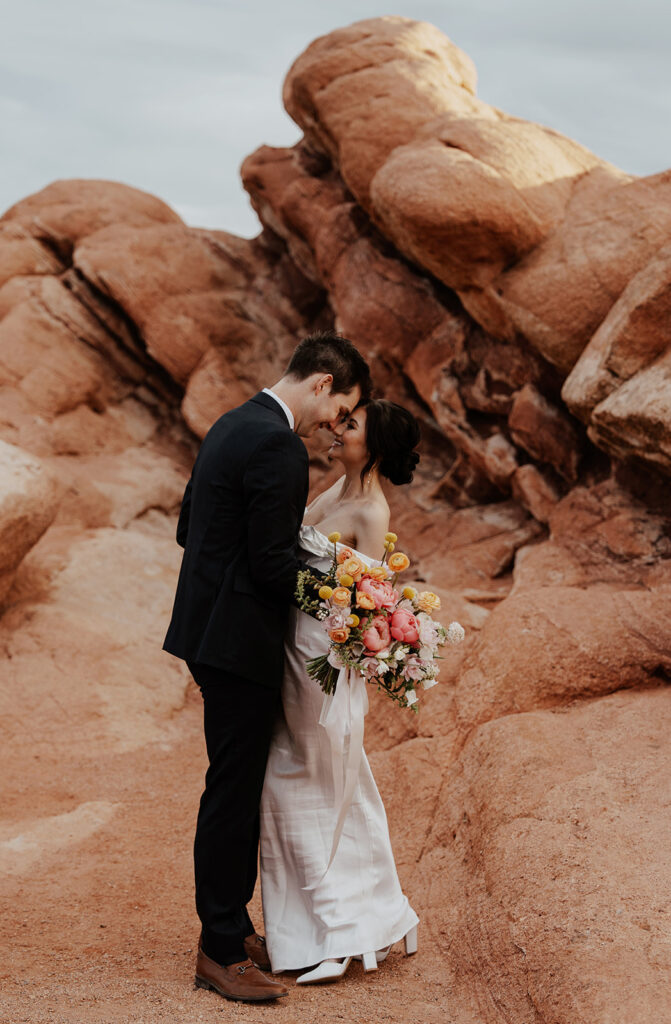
325 381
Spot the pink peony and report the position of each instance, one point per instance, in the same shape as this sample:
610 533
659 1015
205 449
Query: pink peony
376 637
404 626
380 592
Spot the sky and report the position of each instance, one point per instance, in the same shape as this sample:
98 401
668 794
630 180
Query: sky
171 95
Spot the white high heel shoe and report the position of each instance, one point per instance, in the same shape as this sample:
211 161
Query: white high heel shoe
409 941
332 970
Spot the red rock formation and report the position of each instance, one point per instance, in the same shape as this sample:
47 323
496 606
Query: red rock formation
513 290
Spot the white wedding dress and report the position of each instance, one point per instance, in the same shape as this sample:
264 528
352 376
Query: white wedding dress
358 905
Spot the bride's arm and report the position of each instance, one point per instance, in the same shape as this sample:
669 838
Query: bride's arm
371 525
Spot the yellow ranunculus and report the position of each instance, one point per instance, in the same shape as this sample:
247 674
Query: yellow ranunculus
409 593
364 601
334 537
353 566
398 562
340 596
346 580
428 601
339 636
353 621
325 593
378 572
391 537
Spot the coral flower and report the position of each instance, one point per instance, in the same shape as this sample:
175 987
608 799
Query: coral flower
341 596
376 637
344 555
404 626
339 636
382 593
364 601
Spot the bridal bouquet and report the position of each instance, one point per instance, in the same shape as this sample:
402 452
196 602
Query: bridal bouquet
386 635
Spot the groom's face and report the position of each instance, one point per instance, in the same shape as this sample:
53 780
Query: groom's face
326 408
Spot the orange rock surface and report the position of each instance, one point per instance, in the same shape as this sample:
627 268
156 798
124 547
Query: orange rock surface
513 290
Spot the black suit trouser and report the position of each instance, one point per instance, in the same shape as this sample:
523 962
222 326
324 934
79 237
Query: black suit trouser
238 717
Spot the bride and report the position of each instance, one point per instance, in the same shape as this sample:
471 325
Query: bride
331 894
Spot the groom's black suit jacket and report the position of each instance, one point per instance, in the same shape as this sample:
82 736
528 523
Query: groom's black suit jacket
238 525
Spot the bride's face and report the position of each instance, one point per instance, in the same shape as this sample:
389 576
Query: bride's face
349 443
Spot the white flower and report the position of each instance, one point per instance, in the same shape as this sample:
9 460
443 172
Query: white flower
410 697
368 667
384 653
428 683
426 653
455 633
382 667
428 633
336 619
413 669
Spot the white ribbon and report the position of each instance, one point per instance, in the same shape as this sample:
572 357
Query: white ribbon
344 781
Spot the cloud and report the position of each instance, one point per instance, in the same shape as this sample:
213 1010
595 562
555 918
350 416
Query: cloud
171 95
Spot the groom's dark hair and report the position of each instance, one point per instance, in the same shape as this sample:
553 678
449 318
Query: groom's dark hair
328 352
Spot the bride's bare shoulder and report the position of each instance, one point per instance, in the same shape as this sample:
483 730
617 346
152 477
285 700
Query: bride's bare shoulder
320 503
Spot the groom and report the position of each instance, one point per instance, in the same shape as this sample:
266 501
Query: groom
239 523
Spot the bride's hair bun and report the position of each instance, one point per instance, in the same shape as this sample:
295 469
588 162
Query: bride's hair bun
392 433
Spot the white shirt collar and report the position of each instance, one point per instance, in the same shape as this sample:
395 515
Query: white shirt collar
287 411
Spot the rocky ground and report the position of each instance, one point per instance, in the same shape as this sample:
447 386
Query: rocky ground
520 309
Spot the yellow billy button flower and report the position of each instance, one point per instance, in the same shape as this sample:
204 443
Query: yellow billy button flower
409 593
346 580
325 593
399 562
341 596
389 546
391 537
334 537
353 621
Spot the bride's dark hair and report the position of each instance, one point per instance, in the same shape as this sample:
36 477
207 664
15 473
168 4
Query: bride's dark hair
391 434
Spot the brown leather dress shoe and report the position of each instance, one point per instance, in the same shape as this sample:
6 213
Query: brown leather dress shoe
255 948
241 982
